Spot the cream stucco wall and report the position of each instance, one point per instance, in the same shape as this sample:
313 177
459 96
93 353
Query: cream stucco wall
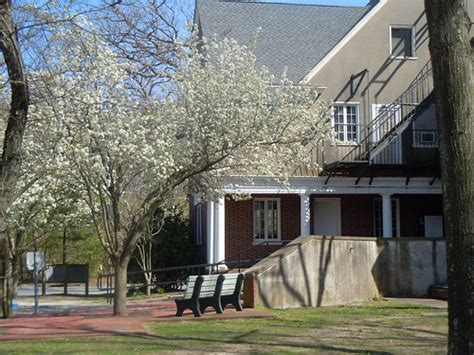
368 51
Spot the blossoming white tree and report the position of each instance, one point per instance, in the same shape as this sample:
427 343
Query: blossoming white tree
127 157
40 200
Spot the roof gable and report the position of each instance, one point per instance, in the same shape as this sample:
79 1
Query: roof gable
295 37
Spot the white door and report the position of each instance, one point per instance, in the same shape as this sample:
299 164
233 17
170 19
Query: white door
434 227
393 153
327 216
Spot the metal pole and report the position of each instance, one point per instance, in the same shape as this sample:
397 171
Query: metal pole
35 278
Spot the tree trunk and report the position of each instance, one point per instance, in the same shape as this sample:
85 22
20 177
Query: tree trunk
449 27
148 283
15 267
120 293
11 153
7 273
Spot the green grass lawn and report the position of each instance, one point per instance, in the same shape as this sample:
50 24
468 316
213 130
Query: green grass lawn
376 327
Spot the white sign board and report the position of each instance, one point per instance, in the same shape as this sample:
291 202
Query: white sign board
30 260
434 227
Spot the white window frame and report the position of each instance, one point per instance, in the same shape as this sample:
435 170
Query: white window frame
413 41
345 124
266 239
418 142
198 223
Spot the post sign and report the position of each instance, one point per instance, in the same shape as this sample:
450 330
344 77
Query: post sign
35 261
39 258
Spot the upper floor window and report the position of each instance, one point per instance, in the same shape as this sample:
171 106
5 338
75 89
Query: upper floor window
425 138
402 42
346 123
266 222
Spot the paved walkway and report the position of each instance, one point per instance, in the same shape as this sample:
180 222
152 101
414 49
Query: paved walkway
96 320
429 302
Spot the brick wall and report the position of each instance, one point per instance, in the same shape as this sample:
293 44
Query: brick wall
239 226
357 214
412 210
357 219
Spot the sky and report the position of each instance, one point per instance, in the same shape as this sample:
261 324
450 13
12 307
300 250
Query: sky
328 2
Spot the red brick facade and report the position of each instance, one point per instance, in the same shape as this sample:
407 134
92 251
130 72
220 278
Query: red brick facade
239 227
357 214
357 219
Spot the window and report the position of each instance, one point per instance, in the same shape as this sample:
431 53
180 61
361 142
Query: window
425 139
402 42
378 220
198 224
266 219
346 123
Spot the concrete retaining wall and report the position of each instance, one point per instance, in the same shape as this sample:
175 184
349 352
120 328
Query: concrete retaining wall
323 271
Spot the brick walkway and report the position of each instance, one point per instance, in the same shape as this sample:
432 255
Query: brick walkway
99 322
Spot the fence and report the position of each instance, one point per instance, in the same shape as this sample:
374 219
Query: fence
170 278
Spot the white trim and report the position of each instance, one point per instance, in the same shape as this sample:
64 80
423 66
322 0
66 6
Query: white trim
368 16
266 239
346 142
210 231
413 42
305 214
335 185
219 230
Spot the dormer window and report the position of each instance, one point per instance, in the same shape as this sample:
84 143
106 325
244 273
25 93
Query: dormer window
402 42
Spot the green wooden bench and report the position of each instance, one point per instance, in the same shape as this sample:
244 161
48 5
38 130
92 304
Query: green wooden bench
201 292
190 298
216 291
232 290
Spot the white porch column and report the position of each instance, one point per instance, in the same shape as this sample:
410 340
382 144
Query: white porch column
219 232
210 231
387 215
305 214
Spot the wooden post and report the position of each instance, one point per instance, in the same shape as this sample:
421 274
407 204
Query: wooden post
65 259
65 279
43 283
87 279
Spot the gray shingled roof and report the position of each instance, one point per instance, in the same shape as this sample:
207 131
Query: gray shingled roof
295 37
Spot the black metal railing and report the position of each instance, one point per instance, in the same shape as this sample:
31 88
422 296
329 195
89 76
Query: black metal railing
393 119
174 278
170 278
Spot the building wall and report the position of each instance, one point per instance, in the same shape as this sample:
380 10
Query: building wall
357 214
239 226
413 208
379 79
369 50
320 271
357 220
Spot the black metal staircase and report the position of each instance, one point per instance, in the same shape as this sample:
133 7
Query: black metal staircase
393 119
